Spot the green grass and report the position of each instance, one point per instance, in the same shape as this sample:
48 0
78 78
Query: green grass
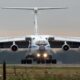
40 73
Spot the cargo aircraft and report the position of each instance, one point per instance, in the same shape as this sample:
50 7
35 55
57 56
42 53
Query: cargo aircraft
39 47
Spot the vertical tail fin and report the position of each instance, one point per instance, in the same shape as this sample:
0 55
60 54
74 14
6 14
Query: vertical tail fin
35 20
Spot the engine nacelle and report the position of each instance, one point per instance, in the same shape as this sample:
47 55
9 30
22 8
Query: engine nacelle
14 47
65 47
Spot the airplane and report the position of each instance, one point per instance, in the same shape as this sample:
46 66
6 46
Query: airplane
39 47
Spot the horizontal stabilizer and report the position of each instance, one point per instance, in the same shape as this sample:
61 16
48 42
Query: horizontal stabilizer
20 8
48 8
34 8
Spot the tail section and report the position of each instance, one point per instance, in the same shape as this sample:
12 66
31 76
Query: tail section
35 10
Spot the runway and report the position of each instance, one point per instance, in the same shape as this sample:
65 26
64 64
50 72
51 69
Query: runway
42 65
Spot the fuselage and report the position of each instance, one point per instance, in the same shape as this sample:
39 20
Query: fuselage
39 43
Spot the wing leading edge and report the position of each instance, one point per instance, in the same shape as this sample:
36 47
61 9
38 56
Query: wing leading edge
58 42
22 42
54 41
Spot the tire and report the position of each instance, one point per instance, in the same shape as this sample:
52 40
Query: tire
23 61
29 61
38 61
54 61
48 61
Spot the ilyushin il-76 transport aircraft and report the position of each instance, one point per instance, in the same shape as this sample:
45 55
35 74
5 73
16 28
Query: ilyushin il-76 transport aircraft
39 47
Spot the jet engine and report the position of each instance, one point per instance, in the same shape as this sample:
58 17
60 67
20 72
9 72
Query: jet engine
14 47
65 47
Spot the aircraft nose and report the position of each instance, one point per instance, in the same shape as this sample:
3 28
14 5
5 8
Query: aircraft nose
42 48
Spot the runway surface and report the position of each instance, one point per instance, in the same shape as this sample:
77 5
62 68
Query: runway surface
43 65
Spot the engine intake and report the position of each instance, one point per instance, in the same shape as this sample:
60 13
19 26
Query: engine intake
14 47
65 47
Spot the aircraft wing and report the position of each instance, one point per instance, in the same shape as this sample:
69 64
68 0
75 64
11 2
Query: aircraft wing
58 42
54 41
22 42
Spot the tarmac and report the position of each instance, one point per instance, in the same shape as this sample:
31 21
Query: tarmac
42 65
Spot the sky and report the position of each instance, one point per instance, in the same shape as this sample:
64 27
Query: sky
55 22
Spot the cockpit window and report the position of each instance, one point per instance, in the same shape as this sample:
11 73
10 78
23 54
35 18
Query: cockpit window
33 38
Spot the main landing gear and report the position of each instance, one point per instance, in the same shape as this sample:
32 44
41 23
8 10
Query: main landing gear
29 59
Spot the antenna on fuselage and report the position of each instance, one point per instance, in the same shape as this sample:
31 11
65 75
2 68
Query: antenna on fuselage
35 10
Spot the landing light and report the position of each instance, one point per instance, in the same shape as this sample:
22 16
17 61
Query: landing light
45 55
38 55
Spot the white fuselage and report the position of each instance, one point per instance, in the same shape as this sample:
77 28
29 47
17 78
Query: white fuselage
39 43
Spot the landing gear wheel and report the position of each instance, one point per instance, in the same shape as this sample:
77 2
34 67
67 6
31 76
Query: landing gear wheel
54 61
29 61
23 61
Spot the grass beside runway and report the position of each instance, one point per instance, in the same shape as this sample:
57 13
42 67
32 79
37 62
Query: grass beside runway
41 73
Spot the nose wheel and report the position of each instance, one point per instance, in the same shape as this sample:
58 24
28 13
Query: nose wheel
26 61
